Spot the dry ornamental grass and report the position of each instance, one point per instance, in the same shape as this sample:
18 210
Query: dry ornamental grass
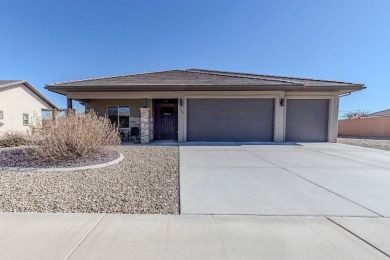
73 135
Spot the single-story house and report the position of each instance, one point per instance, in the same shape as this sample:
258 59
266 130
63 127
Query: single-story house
206 105
19 101
379 114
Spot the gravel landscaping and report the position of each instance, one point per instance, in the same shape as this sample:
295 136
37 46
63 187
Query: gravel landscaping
382 143
146 181
16 157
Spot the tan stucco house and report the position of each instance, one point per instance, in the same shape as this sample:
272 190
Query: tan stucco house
205 105
19 101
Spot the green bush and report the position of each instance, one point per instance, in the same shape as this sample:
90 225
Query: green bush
11 140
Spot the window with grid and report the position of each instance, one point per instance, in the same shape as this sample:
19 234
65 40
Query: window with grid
26 119
119 115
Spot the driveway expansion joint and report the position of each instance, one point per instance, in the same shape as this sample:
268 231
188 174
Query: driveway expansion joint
85 237
282 215
362 239
344 158
281 167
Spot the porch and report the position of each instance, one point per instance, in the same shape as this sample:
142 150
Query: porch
146 119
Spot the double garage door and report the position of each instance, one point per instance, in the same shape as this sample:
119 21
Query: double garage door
246 120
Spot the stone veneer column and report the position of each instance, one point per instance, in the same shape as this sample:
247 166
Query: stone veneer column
144 125
151 129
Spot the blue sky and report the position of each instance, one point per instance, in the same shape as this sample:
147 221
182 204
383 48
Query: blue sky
51 41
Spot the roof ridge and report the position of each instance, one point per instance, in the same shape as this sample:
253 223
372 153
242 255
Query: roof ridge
241 75
108 77
287 77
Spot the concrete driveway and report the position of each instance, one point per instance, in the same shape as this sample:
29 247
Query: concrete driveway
309 201
309 179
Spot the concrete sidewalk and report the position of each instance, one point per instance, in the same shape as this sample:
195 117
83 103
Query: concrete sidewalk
99 236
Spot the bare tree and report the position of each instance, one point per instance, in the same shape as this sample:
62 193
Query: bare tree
355 114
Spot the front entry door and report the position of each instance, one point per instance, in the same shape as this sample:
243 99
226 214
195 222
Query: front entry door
165 121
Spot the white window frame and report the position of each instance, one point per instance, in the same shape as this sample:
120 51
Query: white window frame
28 119
118 114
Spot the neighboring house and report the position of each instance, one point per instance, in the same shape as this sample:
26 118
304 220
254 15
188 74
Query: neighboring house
372 125
19 101
206 105
380 113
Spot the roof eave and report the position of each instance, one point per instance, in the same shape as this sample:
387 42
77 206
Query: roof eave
290 87
351 87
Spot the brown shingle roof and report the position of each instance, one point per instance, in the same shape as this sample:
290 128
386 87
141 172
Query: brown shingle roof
6 83
306 81
380 113
196 79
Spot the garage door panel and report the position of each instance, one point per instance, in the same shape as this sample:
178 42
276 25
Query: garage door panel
307 120
230 119
307 115
304 104
315 127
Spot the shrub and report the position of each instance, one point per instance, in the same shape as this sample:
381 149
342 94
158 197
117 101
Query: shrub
73 135
12 139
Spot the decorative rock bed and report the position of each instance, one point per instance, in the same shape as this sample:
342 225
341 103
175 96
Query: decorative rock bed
382 143
146 181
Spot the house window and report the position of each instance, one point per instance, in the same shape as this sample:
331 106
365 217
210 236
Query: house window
119 115
1 114
26 119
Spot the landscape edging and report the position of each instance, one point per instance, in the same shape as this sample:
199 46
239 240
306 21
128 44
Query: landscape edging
65 169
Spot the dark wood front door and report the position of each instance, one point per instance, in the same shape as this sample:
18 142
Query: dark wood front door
165 121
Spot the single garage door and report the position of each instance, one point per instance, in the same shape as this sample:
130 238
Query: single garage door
230 120
307 120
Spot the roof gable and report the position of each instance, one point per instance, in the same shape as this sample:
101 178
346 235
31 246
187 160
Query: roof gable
4 84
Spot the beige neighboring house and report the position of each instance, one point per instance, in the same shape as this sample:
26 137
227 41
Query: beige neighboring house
19 101
383 113
206 105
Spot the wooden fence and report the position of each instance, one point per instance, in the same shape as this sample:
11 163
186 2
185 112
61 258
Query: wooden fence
366 126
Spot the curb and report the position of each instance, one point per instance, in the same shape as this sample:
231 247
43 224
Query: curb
67 169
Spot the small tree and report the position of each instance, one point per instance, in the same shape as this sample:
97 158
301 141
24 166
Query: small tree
73 135
355 114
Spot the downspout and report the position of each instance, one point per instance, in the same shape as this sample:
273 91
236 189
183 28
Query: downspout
345 94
